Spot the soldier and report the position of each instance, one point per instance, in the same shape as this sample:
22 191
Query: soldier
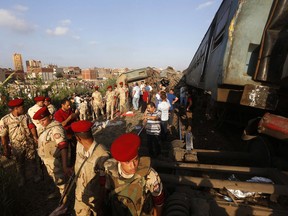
66 117
18 128
89 169
52 148
116 98
97 102
39 103
130 180
109 102
51 108
122 96
83 109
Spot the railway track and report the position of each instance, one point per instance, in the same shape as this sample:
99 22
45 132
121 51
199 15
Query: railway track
190 174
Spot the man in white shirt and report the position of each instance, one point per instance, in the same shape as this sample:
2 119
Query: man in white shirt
136 96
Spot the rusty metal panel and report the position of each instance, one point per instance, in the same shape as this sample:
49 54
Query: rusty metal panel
263 97
245 32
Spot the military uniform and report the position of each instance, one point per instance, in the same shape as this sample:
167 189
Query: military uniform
135 192
134 187
83 109
50 142
109 102
116 97
97 102
17 129
122 97
88 183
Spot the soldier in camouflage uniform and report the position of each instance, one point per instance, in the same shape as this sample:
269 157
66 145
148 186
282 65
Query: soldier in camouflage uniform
18 129
83 109
52 148
89 169
97 102
134 188
122 97
109 102
116 98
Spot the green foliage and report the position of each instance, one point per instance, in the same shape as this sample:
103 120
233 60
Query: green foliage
108 82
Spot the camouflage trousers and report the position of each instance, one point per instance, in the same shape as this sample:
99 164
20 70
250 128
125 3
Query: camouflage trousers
110 109
55 171
96 109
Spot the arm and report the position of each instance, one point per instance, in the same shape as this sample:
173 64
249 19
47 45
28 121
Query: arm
34 134
156 188
189 105
64 156
175 100
158 210
6 148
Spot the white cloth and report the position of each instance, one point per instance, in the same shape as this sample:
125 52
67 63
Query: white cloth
136 89
164 107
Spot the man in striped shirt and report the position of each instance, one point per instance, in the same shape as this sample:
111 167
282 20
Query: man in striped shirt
153 128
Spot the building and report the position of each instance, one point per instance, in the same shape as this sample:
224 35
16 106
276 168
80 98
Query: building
89 74
43 73
72 71
17 60
33 66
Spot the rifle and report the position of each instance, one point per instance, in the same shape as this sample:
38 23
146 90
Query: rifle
67 190
72 180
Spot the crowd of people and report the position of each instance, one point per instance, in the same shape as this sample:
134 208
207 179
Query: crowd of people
124 184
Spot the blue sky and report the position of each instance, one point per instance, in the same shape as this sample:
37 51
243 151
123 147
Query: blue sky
106 33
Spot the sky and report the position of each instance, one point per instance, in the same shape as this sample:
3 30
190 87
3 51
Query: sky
104 33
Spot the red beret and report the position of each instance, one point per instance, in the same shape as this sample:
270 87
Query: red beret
81 126
41 113
16 102
125 147
39 98
109 87
121 83
48 99
96 87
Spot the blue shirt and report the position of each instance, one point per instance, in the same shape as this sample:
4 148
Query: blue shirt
171 98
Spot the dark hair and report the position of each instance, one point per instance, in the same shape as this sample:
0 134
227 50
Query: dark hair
63 101
151 104
85 135
163 95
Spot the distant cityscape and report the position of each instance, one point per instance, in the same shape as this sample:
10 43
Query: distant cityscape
35 69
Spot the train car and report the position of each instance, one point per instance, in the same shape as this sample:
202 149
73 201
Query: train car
242 58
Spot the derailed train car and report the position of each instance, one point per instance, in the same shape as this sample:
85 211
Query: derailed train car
242 58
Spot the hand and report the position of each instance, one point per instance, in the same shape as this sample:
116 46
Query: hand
35 139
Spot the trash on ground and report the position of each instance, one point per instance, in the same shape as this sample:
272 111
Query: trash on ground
243 194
